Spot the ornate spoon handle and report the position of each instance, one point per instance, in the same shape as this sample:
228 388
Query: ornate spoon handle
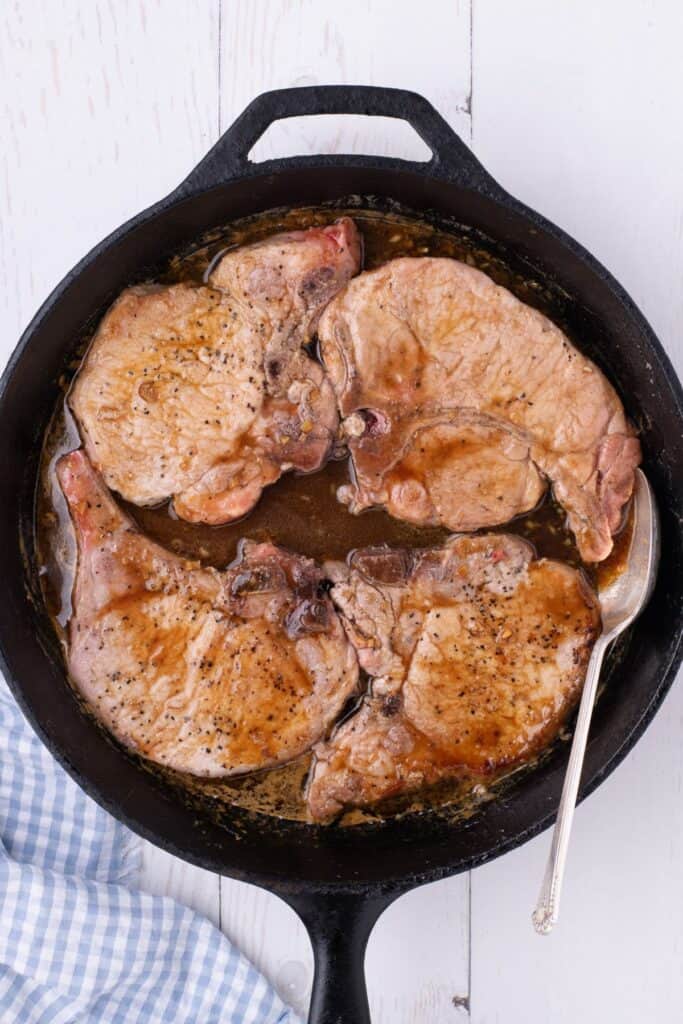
547 908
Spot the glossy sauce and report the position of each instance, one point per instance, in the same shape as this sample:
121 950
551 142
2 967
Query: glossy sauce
298 512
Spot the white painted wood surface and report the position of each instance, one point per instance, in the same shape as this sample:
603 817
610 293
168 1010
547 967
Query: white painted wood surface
575 108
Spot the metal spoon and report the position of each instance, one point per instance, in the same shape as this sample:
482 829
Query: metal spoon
621 601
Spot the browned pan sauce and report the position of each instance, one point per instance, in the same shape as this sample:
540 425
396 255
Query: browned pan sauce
299 512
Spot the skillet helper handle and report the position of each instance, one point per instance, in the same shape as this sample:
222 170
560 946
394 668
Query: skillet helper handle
229 158
339 926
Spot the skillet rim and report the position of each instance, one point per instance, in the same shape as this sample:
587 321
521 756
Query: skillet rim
666 672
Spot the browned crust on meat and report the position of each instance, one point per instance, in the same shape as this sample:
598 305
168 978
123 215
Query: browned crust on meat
205 672
422 340
206 394
477 652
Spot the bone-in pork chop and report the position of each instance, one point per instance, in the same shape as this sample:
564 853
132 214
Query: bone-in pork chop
206 672
459 400
206 394
477 652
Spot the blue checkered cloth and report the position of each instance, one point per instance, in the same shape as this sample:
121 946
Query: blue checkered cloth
78 943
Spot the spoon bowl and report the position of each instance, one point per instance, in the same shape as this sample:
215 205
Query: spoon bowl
625 596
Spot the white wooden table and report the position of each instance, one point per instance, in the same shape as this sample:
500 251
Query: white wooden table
576 108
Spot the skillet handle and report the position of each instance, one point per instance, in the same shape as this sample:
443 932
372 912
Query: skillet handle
229 158
339 926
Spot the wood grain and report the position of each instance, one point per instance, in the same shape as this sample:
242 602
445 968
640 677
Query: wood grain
279 43
165 875
106 106
273 938
417 962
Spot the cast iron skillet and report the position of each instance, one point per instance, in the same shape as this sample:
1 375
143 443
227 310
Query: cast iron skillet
338 880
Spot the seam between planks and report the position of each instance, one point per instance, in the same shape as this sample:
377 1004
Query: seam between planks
219 74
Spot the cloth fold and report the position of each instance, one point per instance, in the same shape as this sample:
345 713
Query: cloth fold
78 942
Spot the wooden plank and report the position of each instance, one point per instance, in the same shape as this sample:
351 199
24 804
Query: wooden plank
165 875
417 962
273 938
574 111
280 43
616 953
418 957
597 146
106 107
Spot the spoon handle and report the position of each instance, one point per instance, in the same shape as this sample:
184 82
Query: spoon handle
548 906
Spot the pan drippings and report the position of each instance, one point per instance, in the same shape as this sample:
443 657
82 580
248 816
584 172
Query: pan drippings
300 512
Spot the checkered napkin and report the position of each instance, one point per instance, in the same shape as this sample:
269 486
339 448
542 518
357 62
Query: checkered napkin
78 943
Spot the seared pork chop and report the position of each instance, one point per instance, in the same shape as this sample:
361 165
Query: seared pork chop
206 394
206 672
457 397
477 652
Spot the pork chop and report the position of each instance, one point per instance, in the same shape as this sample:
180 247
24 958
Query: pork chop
206 672
206 394
477 652
507 399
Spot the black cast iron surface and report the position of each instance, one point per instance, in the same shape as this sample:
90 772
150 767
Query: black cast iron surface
338 880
